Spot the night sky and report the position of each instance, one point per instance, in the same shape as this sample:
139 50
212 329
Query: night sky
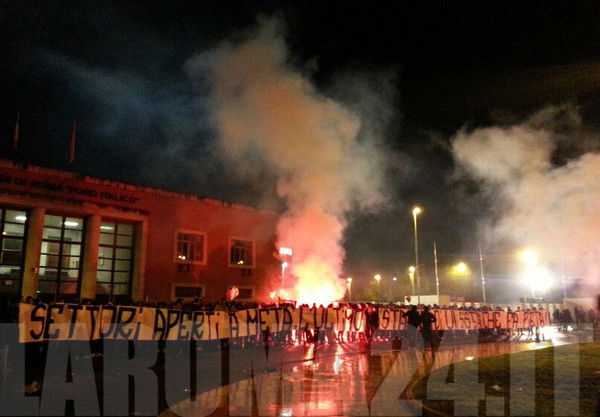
430 69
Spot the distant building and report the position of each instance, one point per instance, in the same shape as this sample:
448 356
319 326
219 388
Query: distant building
68 236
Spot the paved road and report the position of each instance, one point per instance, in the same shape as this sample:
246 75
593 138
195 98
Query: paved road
355 379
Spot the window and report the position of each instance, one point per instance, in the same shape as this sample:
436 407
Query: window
60 257
241 253
190 247
115 260
12 247
187 291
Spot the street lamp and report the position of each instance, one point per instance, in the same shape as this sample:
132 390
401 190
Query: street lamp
416 211
349 285
378 278
461 268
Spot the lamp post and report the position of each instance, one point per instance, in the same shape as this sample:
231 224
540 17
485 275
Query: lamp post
411 275
437 277
283 266
378 278
285 254
482 277
415 213
349 285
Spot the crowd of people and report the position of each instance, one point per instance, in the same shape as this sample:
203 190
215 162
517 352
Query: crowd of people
419 318
563 319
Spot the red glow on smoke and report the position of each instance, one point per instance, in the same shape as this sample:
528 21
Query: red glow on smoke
317 283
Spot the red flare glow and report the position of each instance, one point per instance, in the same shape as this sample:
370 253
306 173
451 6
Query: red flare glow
317 283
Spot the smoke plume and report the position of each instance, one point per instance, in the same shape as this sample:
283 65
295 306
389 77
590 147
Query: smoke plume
545 172
269 114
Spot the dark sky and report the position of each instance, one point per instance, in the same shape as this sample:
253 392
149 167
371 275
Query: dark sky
117 68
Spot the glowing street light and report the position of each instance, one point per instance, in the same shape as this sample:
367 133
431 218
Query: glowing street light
377 278
461 270
538 279
529 258
349 285
416 211
535 276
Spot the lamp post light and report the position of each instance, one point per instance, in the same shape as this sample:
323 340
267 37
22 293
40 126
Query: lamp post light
416 211
461 270
378 278
349 285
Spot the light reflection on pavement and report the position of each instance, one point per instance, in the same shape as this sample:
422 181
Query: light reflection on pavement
357 379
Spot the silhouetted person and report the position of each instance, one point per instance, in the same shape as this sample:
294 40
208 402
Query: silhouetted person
414 320
427 319
372 322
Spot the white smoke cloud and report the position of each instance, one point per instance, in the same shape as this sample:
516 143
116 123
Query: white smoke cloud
548 206
269 113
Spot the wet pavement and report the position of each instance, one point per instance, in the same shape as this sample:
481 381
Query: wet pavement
346 379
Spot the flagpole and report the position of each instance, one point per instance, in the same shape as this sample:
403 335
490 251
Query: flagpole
482 277
16 135
72 149
437 278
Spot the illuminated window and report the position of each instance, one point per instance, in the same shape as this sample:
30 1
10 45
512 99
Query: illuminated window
115 261
190 247
241 253
60 257
12 246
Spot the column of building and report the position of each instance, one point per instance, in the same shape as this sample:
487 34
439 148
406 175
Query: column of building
33 248
90 257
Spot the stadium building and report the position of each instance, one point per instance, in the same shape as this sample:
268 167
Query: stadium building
68 236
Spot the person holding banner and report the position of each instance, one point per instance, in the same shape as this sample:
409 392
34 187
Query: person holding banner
427 319
372 315
414 320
